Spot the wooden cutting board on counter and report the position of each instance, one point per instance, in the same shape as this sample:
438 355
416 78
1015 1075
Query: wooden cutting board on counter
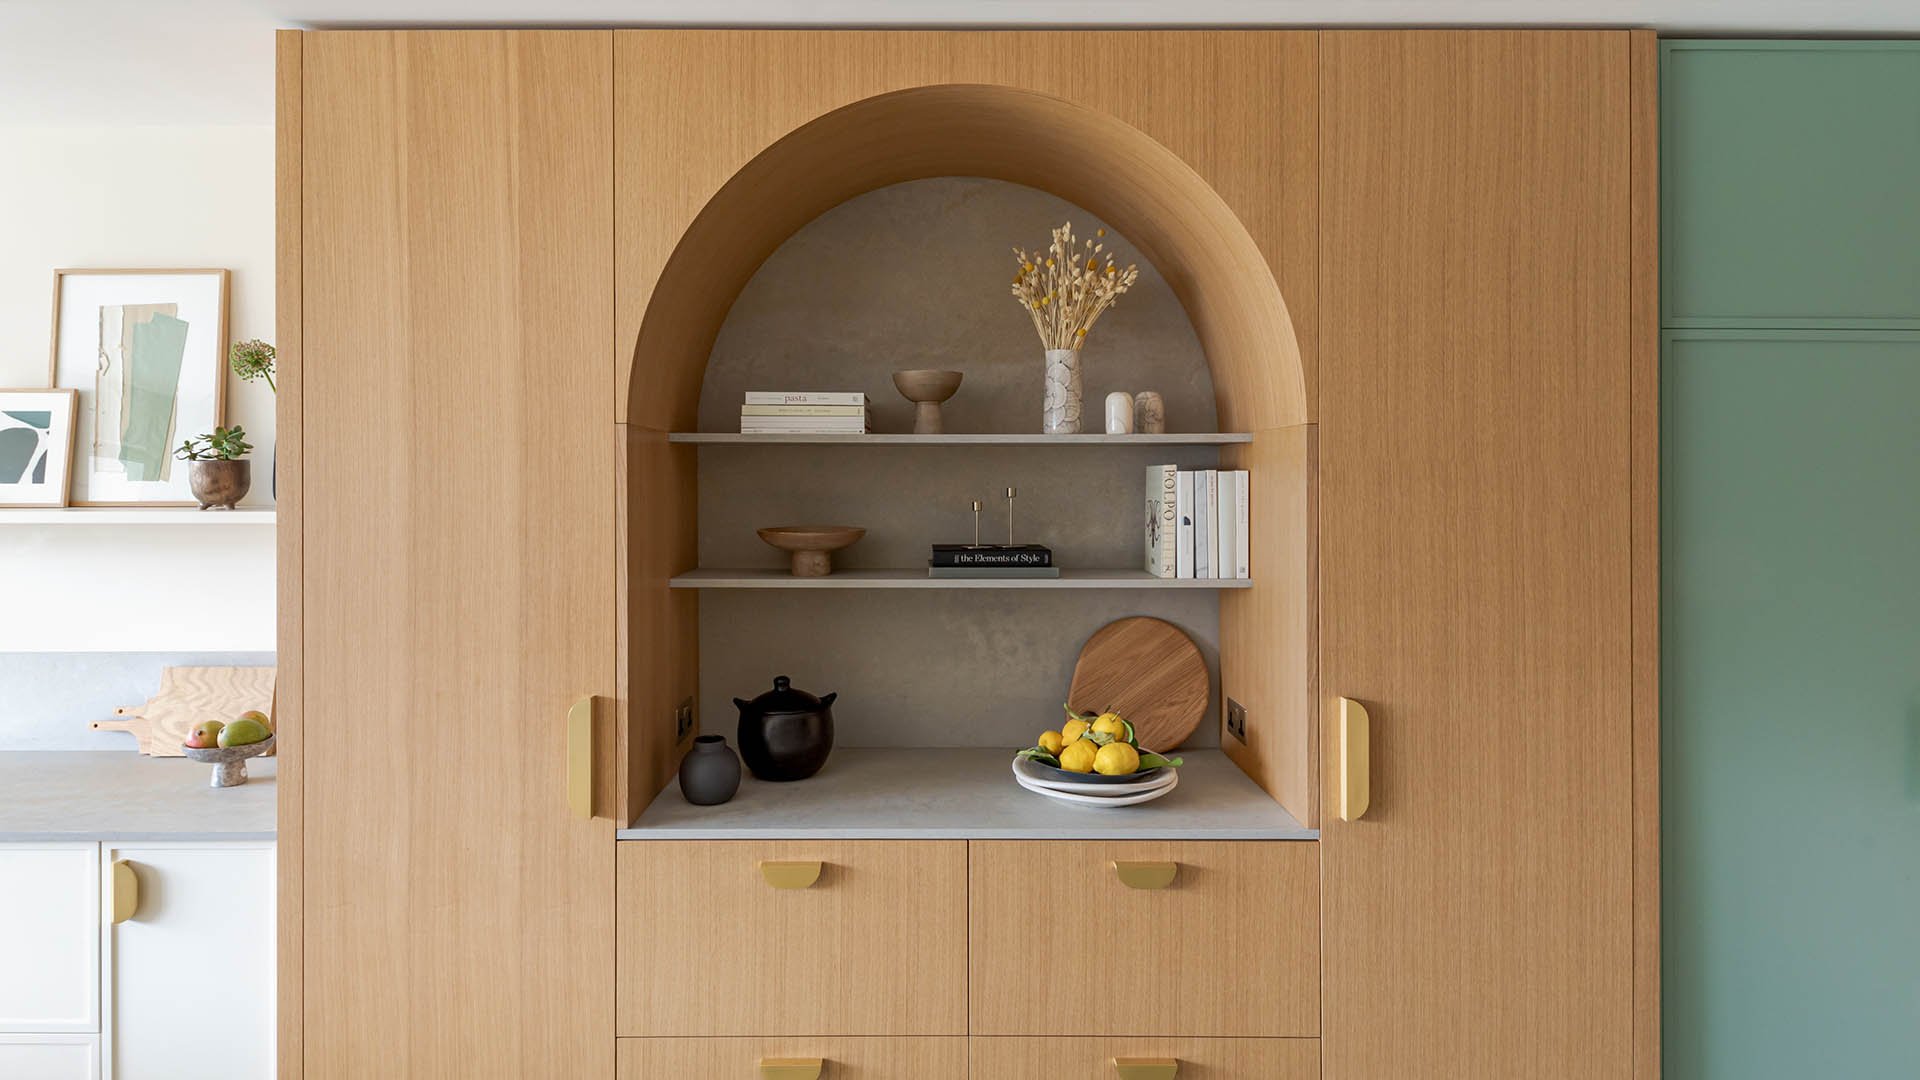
187 696
1151 673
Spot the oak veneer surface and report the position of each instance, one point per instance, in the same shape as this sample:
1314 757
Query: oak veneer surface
1199 146
1092 1058
846 1059
455 483
1475 539
290 581
659 626
1061 947
877 946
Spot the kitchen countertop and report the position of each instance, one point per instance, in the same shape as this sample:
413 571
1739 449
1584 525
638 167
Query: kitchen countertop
966 794
125 796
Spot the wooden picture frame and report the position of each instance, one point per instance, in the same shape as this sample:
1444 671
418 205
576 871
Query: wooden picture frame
190 357
55 460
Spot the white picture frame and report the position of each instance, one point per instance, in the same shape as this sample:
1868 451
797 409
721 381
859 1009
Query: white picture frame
146 352
36 447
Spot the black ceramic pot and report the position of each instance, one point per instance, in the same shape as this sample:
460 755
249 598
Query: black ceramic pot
786 734
710 773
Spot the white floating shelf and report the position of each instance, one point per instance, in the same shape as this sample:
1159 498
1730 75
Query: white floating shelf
1193 438
918 579
137 515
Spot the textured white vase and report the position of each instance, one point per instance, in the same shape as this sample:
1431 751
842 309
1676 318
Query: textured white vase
1061 414
1149 413
1119 413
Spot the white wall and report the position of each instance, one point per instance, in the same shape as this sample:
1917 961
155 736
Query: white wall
137 197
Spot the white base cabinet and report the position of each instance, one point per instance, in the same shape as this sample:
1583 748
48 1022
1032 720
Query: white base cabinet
49 939
60 1056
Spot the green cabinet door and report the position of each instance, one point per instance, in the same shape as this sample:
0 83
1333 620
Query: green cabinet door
1789 183
1791 705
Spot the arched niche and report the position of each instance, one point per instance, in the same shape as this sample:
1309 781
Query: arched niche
1082 155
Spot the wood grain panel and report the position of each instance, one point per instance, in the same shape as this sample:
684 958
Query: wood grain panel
1269 634
1061 947
846 1059
1092 1059
289 686
456 207
1201 147
659 626
876 947
1475 512
1645 61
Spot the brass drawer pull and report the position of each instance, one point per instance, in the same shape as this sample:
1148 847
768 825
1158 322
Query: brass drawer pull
795 1068
1355 759
1146 875
792 874
1134 1068
126 892
580 758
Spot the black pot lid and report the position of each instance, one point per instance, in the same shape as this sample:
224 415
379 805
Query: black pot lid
783 698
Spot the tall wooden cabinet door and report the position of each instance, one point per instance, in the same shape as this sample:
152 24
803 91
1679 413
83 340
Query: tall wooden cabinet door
1474 546
456 497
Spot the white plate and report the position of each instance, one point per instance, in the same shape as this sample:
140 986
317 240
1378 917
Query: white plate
1092 800
1025 770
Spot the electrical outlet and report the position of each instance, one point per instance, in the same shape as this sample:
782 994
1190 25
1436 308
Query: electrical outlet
1236 720
683 720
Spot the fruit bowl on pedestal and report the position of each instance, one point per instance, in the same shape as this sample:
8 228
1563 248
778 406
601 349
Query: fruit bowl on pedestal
229 762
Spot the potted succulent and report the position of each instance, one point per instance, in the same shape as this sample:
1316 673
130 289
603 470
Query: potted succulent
217 469
254 359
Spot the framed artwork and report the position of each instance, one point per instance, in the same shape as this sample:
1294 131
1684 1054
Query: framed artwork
36 446
146 350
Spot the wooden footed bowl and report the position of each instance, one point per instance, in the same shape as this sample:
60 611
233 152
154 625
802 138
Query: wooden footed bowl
927 388
229 762
812 545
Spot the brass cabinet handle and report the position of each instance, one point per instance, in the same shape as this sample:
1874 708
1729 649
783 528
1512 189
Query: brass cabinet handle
1146 875
1355 759
125 894
1139 1068
790 874
791 1068
580 758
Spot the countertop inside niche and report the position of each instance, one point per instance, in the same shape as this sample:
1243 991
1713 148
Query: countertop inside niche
876 794
125 796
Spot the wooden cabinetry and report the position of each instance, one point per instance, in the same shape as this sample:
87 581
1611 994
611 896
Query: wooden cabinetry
877 945
1094 1059
841 1059
1062 946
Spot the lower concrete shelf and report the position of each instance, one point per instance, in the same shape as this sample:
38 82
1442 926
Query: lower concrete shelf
893 794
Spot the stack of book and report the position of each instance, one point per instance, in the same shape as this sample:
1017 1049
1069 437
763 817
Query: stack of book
1196 522
992 561
774 412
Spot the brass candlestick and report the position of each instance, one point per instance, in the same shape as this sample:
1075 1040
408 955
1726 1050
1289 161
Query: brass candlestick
976 523
1011 492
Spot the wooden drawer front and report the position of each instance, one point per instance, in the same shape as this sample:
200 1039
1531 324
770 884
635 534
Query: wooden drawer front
1196 1059
1230 948
844 1058
877 946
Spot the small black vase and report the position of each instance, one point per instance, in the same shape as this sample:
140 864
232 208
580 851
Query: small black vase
710 773
786 734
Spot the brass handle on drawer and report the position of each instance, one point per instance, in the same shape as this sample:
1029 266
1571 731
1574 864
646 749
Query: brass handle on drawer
580 758
791 874
791 1068
1132 1068
1145 875
1355 733
125 895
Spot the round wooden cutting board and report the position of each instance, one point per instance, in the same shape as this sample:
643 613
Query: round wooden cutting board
1151 673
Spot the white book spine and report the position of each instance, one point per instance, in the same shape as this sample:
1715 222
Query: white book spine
810 397
1183 558
1223 559
1204 488
1242 502
1162 520
803 410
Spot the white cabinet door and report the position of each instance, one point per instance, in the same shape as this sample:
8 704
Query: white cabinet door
49 938
190 977
69 1056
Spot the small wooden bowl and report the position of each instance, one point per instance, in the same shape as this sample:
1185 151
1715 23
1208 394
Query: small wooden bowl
812 545
927 388
229 762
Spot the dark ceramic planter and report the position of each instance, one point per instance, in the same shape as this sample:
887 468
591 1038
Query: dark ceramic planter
710 773
786 734
219 483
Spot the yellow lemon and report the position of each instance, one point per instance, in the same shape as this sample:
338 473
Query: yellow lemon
1078 756
1111 724
1073 729
1116 759
1051 742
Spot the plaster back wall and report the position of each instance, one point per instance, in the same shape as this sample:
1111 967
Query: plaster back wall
917 275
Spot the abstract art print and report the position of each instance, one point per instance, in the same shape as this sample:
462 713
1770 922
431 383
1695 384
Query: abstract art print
36 446
145 350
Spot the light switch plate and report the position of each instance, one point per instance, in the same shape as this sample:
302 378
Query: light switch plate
683 720
1236 720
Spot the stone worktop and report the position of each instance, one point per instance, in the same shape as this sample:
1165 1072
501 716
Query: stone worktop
124 796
